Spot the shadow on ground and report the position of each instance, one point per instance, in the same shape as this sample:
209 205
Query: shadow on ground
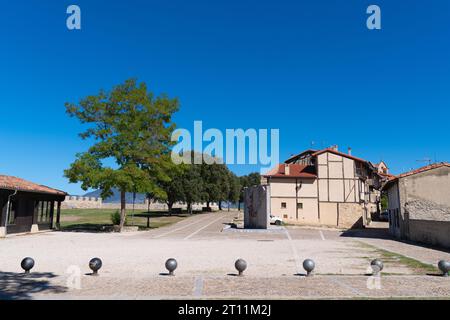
372 233
88 227
383 233
20 286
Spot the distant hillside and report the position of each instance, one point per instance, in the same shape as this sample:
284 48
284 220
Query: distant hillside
115 198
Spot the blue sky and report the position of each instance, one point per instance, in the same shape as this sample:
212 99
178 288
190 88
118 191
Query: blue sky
310 68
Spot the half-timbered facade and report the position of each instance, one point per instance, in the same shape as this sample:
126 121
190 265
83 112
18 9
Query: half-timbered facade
325 187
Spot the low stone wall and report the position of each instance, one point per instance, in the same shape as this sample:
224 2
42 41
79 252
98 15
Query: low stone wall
156 206
75 202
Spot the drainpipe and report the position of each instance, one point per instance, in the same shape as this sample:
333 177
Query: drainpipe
7 211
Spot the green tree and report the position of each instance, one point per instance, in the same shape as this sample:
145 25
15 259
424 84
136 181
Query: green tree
384 201
173 189
193 185
234 189
130 128
185 184
216 183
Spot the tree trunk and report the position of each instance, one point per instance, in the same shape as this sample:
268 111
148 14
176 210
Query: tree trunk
148 210
229 205
189 207
207 204
220 205
122 210
170 205
239 205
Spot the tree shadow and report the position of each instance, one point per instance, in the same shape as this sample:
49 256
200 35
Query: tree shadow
88 228
21 286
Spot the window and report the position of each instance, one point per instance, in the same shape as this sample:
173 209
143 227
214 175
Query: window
283 205
43 209
300 205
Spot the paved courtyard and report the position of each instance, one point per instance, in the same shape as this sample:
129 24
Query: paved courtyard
206 248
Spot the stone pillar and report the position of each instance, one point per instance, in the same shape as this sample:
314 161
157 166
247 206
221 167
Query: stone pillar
257 207
2 232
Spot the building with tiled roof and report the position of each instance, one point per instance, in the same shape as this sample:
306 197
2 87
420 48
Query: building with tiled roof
325 187
27 206
419 204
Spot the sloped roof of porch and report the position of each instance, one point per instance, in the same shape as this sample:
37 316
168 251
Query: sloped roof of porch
15 183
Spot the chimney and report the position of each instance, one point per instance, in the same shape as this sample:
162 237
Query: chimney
349 151
335 147
286 170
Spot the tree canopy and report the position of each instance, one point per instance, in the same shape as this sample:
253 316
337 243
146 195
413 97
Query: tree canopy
130 127
213 182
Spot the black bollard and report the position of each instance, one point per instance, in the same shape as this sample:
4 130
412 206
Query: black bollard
27 264
95 264
444 266
309 266
240 266
377 266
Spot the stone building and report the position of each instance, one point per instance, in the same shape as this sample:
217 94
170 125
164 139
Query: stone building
419 205
325 187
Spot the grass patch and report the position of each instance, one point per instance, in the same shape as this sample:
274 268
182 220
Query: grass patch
414 264
396 258
99 220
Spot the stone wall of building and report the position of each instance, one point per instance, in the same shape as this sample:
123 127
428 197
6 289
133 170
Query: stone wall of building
430 232
423 207
420 209
350 215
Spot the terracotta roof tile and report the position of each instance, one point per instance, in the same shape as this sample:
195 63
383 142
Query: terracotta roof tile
392 178
422 169
14 183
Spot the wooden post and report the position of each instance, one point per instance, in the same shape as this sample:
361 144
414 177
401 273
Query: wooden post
52 213
58 216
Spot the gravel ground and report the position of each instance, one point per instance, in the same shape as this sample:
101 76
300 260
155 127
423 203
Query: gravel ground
133 263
